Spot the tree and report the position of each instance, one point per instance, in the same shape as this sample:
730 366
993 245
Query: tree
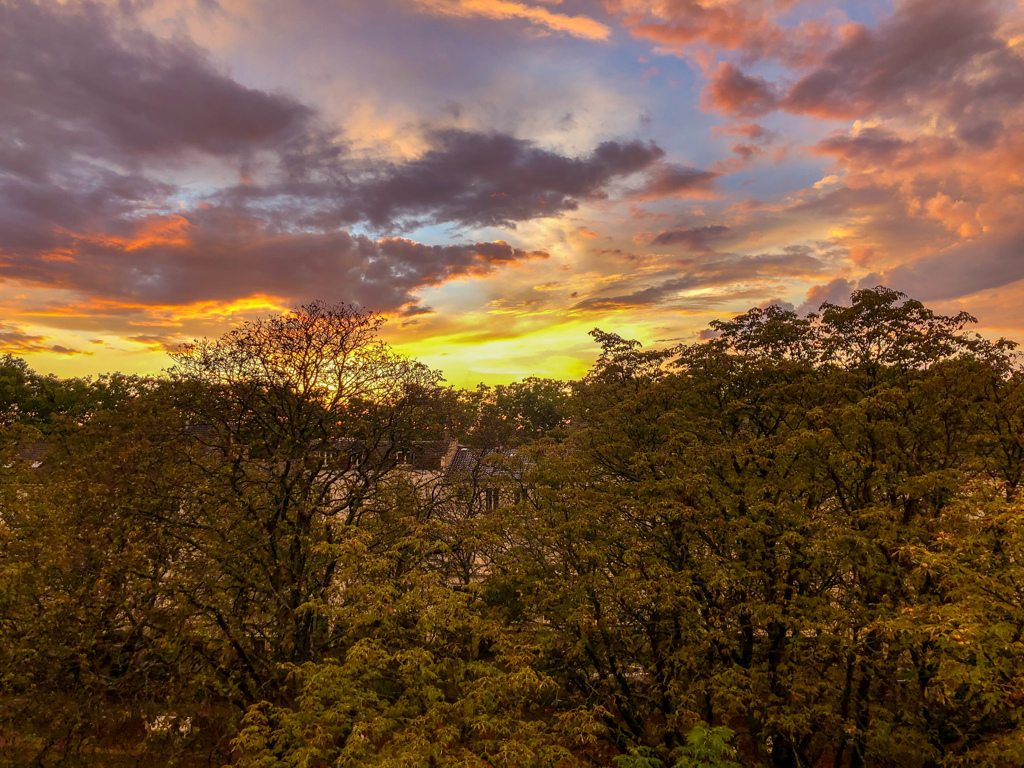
46 402
94 644
298 420
427 678
743 542
513 414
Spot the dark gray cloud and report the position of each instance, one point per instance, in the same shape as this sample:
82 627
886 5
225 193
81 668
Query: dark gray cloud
493 179
842 200
881 148
219 255
874 144
75 79
836 292
14 340
696 239
735 93
468 178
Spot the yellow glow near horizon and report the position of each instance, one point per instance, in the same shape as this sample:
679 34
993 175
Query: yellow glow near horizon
547 353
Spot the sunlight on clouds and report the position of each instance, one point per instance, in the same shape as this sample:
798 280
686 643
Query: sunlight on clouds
249 306
378 129
67 334
558 348
577 26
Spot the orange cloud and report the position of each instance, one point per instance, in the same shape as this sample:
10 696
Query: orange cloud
926 187
751 131
577 26
16 340
748 26
735 93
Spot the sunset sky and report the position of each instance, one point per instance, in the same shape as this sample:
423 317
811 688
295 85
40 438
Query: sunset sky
498 176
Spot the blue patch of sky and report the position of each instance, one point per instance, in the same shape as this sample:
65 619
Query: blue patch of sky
867 11
438 234
672 117
774 180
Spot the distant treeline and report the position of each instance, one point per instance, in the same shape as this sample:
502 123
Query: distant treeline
796 544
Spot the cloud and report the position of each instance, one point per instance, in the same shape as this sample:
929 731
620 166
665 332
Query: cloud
412 310
936 90
14 340
750 27
219 255
930 55
752 131
60 349
77 80
777 302
577 26
796 261
735 93
97 115
951 67
746 152
698 239
836 202
160 342
988 262
882 148
491 179
100 118
836 292
674 180
944 57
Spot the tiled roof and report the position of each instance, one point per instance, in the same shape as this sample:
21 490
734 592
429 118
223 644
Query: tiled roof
205 433
430 454
480 462
464 461
34 453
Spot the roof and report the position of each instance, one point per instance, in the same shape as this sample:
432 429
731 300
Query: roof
481 462
33 453
202 432
430 454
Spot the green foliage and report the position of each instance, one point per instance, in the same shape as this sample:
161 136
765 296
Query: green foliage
425 680
708 747
514 414
732 543
797 544
45 402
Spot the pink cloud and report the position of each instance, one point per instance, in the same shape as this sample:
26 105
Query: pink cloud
749 27
673 180
735 93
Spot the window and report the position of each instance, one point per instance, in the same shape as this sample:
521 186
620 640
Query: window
491 498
